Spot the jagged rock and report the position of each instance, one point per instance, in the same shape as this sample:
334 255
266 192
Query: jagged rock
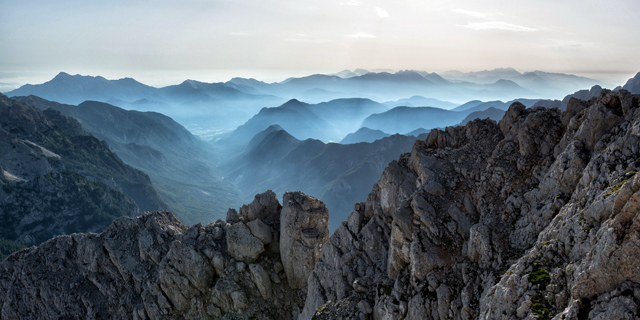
537 218
260 230
232 216
151 266
304 229
264 205
261 279
241 244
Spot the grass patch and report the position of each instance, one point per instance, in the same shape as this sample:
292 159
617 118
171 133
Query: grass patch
540 308
8 247
539 277
615 188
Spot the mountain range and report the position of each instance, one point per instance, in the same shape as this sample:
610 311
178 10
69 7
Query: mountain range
207 109
180 165
337 173
536 216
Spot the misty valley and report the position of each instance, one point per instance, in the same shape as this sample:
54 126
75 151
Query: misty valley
409 166
207 147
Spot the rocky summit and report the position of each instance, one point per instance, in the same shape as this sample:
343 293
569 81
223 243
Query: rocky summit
532 217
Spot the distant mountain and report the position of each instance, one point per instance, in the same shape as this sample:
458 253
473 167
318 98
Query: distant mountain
582 95
339 174
58 179
179 164
388 86
295 116
327 121
65 88
548 104
406 119
491 113
420 101
501 105
468 105
544 84
364 134
345 74
202 107
633 84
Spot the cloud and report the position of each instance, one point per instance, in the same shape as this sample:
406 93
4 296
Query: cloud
306 40
239 33
351 3
381 12
499 25
569 44
472 13
361 35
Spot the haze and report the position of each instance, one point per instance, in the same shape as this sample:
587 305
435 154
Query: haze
162 42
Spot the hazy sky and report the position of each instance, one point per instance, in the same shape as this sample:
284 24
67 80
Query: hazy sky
161 42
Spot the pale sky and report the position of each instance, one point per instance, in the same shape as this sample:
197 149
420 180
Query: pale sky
164 42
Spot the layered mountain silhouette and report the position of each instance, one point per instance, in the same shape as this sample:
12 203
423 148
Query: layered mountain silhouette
58 179
208 109
336 173
180 165
364 134
546 84
327 121
200 106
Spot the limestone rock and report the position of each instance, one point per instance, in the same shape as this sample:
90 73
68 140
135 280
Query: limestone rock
304 229
242 245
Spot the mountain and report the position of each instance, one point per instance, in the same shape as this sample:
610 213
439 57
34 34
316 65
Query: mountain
532 217
633 85
295 116
545 84
65 88
405 119
364 134
490 113
501 105
204 108
180 165
339 174
58 179
326 121
420 101
467 105
388 86
582 95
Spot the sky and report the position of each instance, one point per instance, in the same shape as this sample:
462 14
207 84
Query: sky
163 42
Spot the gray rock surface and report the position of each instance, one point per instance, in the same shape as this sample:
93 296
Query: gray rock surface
154 267
537 218
304 229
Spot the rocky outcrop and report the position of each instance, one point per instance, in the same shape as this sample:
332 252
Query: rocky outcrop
304 229
532 217
154 267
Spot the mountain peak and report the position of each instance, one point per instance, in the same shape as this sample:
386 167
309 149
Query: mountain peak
62 75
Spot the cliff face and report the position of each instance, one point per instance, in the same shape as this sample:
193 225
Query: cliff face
532 217
154 267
